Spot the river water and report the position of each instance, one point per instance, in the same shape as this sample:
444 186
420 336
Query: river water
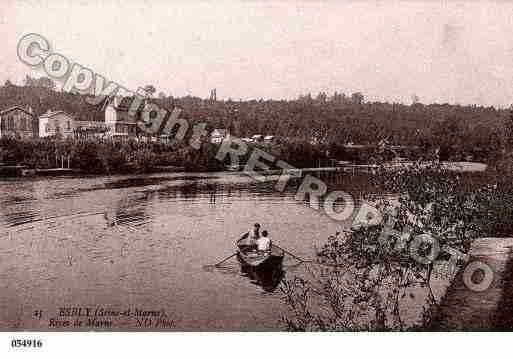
135 244
136 252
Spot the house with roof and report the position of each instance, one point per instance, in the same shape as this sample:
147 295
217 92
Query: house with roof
219 135
18 121
269 139
56 123
124 117
257 138
119 119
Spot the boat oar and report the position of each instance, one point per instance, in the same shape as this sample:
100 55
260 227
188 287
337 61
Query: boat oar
292 255
234 254
224 260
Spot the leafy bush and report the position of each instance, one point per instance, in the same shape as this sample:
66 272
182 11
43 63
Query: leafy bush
366 277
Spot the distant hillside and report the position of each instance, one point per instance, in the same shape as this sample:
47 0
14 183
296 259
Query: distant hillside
42 99
326 120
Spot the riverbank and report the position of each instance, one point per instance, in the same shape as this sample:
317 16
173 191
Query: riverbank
321 172
103 156
17 171
480 309
108 156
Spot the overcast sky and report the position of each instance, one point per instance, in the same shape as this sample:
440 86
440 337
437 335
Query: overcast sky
461 52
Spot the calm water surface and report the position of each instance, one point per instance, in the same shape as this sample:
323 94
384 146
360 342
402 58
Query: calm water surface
59 248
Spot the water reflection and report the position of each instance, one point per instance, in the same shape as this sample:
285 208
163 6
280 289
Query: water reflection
20 217
143 241
132 210
18 205
268 279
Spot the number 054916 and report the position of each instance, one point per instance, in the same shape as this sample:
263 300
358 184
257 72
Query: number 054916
26 343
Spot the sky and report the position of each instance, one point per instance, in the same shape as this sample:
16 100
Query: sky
443 52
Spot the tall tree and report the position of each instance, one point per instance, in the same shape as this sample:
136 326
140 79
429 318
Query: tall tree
357 98
46 82
509 131
322 97
150 89
29 81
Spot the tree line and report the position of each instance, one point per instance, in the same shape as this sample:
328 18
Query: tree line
455 132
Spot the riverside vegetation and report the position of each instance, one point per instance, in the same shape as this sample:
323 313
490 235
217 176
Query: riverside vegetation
108 156
365 283
310 126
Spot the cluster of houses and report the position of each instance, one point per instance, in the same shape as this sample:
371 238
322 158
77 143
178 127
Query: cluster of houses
220 134
119 122
21 122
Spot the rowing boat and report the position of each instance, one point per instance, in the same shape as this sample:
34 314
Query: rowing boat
268 279
255 259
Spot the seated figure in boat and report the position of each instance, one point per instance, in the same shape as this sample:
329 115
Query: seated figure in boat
263 243
254 234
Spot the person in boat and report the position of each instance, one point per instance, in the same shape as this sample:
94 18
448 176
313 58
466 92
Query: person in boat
254 234
263 243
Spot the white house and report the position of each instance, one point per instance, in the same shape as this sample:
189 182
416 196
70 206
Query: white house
56 123
257 138
219 135
118 118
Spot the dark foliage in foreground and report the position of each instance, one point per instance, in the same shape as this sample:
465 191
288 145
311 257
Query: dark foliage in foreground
365 280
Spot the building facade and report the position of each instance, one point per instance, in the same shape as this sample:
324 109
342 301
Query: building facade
56 124
124 117
120 121
18 122
219 135
89 129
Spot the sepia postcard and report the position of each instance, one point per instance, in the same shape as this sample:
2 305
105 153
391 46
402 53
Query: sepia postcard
255 166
